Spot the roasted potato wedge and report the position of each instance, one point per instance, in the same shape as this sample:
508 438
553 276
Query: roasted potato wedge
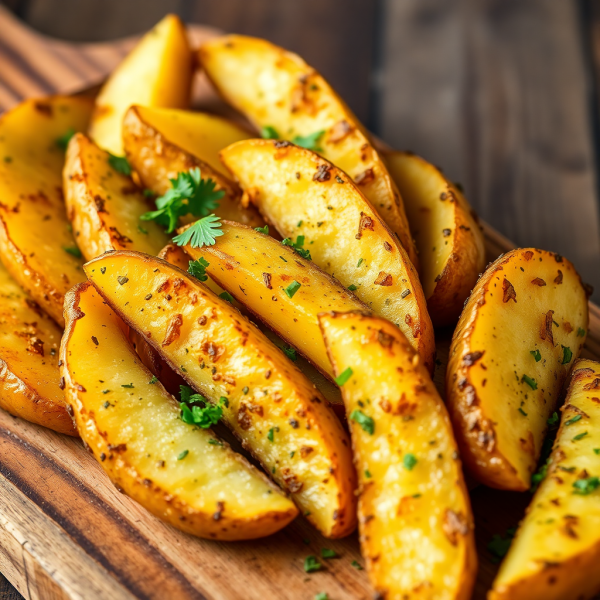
303 194
105 206
557 547
270 406
263 275
448 238
29 377
181 473
200 134
36 243
157 160
416 526
157 72
277 89
516 340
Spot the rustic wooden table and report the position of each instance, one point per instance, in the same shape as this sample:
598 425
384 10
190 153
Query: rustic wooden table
502 94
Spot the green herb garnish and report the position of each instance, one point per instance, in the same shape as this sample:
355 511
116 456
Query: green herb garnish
499 545
363 420
153 380
310 141
298 246
264 229
268 132
530 382
522 412
327 553
73 251
580 332
127 385
553 420
567 355
352 287
583 487
226 296
120 164
63 141
271 433
409 461
311 564
197 268
201 233
579 436
195 410
291 289
536 354
573 420
183 454
344 376
356 565
290 353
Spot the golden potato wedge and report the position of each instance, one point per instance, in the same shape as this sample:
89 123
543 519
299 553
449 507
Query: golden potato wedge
416 526
181 473
29 377
557 547
516 340
448 238
277 89
105 206
302 194
36 242
263 275
157 160
270 406
157 72
200 134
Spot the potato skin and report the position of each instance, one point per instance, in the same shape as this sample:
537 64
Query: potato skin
416 525
212 492
345 235
290 429
448 237
556 550
157 72
156 160
31 198
276 88
527 301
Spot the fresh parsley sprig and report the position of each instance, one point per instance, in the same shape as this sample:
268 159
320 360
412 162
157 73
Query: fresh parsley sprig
197 268
196 411
298 246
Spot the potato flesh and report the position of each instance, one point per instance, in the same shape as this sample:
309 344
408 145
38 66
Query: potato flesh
418 533
276 88
555 552
29 377
198 133
244 259
104 205
136 425
329 213
450 242
31 199
222 355
487 398
157 72
157 160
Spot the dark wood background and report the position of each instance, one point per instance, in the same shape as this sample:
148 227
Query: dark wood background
501 94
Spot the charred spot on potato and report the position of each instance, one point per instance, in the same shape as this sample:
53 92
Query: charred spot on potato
594 385
446 232
384 279
36 346
173 329
118 448
559 278
323 173
567 327
100 202
509 292
267 280
243 418
455 525
471 358
119 237
387 246
546 330
339 131
44 108
538 281
365 222
217 515
305 451
528 255
291 481
366 177
384 339
213 350
61 384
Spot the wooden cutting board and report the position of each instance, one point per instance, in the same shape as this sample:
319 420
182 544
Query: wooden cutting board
66 532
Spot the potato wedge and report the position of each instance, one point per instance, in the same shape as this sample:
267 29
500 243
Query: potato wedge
262 274
157 72
200 134
36 242
302 194
157 160
520 331
448 238
557 547
181 473
29 377
271 407
416 526
275 88
105 206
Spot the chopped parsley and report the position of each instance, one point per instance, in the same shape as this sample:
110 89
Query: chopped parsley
567 355
360 261
142 230
363 420
553 420
344 376
352 287
73 251
322 596
367 474
189 194
201 233
264 229
327 553
539 476
522 412
580 332
356 565
596 450
182 455
573 420
226 296
291 289
499 545
310 141
299 223
195 410
409 461
268 132
298 246
153 380
530 382
579 436
214 442
63 141
536 354
290 353
271 433
197 268
583 487
311 564
120 164
127 385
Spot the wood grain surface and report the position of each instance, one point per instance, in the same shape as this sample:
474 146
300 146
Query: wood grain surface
65 531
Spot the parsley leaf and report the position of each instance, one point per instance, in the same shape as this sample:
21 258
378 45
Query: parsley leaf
268 132
352 287
226 296
153 380
536 354
291 289
290 353
119 163
183 454
579 436
271 433
530 382
580 332
264 229
363 420
356 565
327 553
197 268
200 412
311 564
322 596
553 420
499 545
73 251
567 355
63 141
573 420
583 487
409 461
310 141
522 411
201 233
343 377
297 246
